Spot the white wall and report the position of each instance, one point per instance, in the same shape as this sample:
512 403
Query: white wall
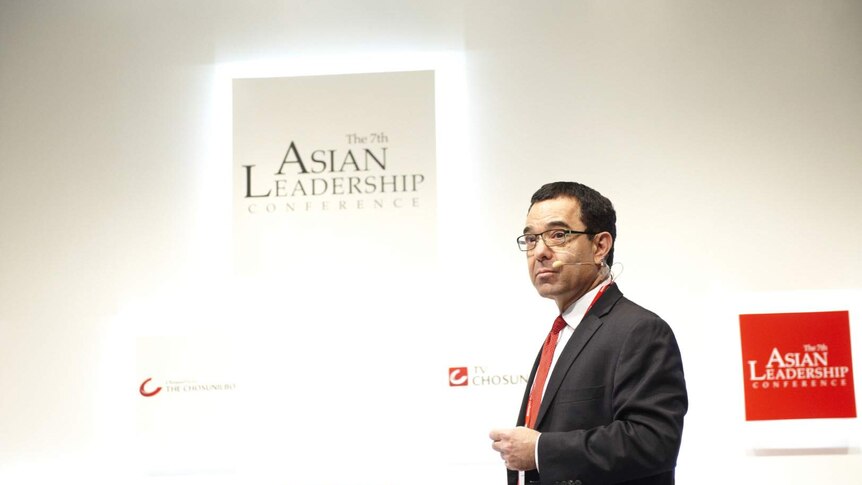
726 133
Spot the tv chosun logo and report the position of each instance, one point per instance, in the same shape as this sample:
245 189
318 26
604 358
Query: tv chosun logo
458 376
481 376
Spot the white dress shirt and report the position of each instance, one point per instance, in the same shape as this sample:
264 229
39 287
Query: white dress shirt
574 313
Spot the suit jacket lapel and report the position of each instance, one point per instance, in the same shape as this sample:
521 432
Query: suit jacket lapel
580 338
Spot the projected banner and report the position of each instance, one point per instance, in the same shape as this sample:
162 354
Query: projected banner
332 161
334 230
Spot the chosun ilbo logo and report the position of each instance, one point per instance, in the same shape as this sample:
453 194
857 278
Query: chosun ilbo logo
148 393
147 389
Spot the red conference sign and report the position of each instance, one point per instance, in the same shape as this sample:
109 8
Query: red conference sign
797 366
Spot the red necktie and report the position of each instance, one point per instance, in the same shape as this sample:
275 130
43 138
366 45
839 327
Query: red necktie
542 372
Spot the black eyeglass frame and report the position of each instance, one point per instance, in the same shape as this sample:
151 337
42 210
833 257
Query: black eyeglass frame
523 245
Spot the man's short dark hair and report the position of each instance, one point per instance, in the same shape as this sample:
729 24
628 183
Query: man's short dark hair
597 212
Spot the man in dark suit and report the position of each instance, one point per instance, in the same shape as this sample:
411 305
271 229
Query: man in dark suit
611 407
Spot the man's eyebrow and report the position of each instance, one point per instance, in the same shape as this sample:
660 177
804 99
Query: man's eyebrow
550 225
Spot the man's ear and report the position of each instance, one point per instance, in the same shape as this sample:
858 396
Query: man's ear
602 244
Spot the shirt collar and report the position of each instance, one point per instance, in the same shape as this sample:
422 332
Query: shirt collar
576 311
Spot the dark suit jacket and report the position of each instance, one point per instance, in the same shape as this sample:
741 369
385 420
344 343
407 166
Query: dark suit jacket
614 403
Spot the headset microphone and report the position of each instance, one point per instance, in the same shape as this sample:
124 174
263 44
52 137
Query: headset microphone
560 264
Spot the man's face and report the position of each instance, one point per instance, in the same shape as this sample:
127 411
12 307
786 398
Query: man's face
569 282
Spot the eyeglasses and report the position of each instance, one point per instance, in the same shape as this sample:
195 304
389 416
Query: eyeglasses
551 237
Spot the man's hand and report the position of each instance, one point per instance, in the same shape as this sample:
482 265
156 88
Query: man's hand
517 446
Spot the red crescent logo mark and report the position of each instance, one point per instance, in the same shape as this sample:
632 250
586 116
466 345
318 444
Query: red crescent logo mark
458 376
149 394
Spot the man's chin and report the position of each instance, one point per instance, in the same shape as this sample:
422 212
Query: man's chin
546 291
